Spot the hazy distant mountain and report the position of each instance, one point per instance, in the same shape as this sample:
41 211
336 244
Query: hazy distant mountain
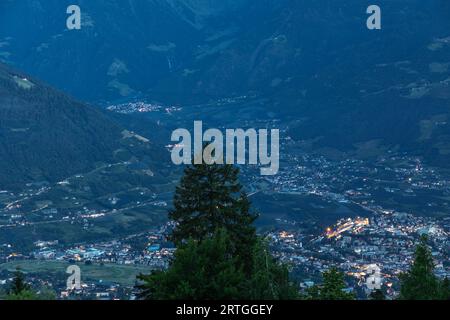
46 135
344 87
124 47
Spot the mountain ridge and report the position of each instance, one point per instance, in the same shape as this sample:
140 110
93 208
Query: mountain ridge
46 135
338 84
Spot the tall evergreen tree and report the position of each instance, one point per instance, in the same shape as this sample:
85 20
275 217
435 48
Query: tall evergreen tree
269 280
18 284
332 287
219 255
208 198
420 283
445 289
20 289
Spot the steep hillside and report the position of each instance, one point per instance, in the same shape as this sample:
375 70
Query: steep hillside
46 135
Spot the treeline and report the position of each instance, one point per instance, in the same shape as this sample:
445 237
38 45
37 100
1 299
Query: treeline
20 289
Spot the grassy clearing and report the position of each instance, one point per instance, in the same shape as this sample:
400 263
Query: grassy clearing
122 274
